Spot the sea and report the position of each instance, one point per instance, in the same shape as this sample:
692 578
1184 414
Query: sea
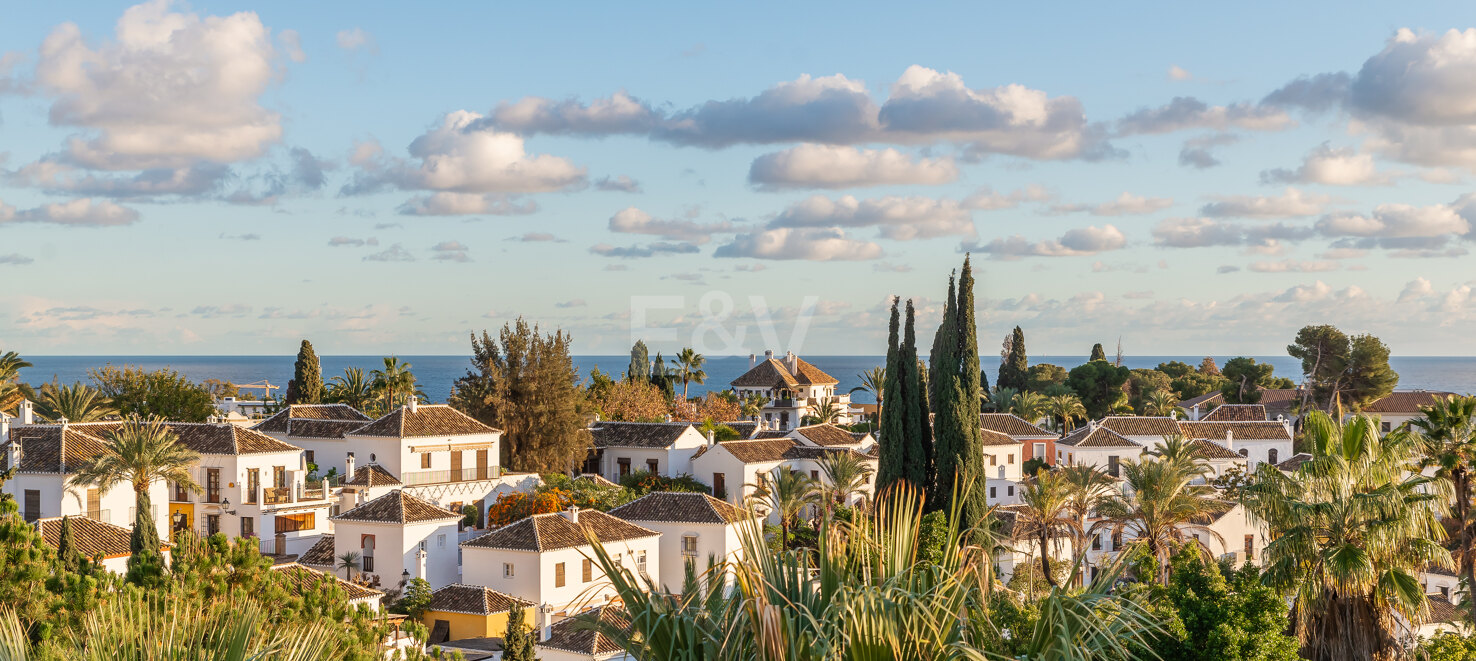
435 374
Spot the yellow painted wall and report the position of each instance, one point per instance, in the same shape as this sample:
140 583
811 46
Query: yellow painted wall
187 508
469 626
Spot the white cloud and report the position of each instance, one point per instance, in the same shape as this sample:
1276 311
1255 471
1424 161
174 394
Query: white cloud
395 253
354 39
987 199
1178 74
1206 232
1126 204
901 218
15 259
1291 203
170 90
1186 112
450 251
1200 152
459 204
352 242
631 220
1292 266
837 166
811 244
1075 242
292 45
1334 167
1397 221
80 212
620 184
1415 290
644 251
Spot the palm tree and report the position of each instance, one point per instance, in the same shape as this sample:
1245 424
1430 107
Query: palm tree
873 381
1087 489
827 411
76 403
351 388
1162 506
786 493
1351 530
688 365
10 390
349 562
1045 516
1000 400
845 476
753 405
395 378
1030 406
1447 439
141 452
1066 409
1161 402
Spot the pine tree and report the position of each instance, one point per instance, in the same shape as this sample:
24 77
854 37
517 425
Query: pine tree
890 464
517 641
306 386
919 444
1098 353
640 363
66 548
1014 367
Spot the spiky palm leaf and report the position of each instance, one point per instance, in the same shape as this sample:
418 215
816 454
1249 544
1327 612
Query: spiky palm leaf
76 403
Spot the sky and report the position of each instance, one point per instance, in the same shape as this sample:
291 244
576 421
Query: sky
228 178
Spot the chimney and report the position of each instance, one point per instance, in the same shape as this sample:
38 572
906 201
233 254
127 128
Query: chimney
544 623
668 417
13 454
27 412
413 404
572 514
1230 439
768 354
1196 413
348 467
420 556
4 427
711 438
791 362
752 360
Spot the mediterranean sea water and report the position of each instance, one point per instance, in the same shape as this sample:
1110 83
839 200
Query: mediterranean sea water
435 374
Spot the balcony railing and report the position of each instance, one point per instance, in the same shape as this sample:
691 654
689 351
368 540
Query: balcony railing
415 478
276 495
314 493
104 516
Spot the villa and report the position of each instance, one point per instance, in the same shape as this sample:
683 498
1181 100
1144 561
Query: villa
696 530
398 536
734 467
794 389
109 544
660 448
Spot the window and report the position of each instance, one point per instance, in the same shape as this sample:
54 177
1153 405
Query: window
1097 542
624 463
1117 539
1010 490
559 575
212 485
425 460
720 485
212 524
993 460
366 558
588 572
1038 451
33 505
689 545
1010 458
441 541
1112 467
1271 455
507 570
181 494
309 456
1384 427
1070 460
295 522
992 493
423 544
279 476
653 466
1244 452
1445 591
94 504
253 478
814 475
1250 546
641 561
248 526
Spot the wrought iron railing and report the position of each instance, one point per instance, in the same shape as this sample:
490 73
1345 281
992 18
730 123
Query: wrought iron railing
473 474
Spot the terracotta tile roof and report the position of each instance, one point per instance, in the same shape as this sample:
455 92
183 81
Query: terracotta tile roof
597 479
637 434
1210 450
473 600
301 580
320 554
548 532
776 449
1243 431
45 449
1097 437
1013 425
826 435
1294 462
767 434
225 438
572 634
1442 611
1440 571
321 428
772 373
1237 413
280 422
992 437
427 420
745 428
372 475
93 538
397 507
674 507
1215 510
809 374
1407 401
1133 425
1278 401
1204 401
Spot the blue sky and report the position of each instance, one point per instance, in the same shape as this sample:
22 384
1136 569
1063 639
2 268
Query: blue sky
223 178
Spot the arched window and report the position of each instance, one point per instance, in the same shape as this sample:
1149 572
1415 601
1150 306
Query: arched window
1271 455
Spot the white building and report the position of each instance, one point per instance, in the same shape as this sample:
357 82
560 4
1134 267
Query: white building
1095 445
547 559
696 529
662 448
1003 457
1269 441
795 389
733 468
399 536
318 429
95 540
46 456
571 640
1398 408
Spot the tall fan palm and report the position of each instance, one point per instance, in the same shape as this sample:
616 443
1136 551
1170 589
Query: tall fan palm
395 379
1087 489
1161 402
688 366
1066 409
1031 406
1447 440
873 381
141 452
1045 516
846 475
351 388
76 403
786 493
1162 507
1001 398
1351 530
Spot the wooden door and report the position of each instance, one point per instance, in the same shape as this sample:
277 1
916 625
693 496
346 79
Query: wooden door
456 465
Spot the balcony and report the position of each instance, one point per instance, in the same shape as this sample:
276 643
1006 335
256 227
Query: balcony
417 478
276 496
104 516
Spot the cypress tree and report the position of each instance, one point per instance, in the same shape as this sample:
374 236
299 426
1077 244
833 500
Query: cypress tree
517 641
942 349
306 386
640 363
1014 368
975 506
661 378
1097 353
919 446
890 464
66 548
146 564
